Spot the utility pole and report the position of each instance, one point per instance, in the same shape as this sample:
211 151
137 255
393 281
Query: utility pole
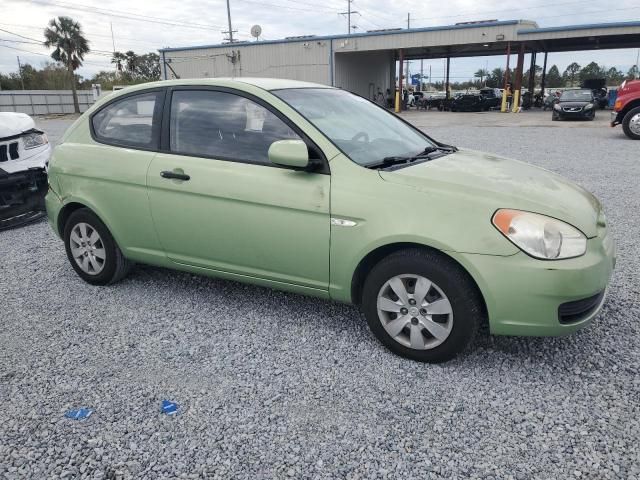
421 73
348 14
231 30
20 72
113 41
408 27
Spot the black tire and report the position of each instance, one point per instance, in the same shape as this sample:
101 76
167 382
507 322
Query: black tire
554 117
465 300
116 266
627 120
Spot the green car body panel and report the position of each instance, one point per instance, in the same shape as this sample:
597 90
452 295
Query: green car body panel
272 226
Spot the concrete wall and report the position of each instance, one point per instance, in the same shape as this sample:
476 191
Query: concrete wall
364 72
303 60
43 102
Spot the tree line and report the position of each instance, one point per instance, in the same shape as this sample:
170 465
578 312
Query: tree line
573 76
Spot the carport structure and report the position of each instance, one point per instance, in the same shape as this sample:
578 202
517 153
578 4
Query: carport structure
365 62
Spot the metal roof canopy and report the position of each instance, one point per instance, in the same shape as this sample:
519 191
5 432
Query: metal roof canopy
555 39
456 41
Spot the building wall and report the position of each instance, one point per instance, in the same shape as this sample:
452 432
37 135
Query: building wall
364 73
304 60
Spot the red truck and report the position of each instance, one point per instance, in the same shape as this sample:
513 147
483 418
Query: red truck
626 110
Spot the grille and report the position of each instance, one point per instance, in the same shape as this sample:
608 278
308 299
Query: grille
571 109
9 151
577 310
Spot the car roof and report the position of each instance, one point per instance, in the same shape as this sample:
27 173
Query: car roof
237 82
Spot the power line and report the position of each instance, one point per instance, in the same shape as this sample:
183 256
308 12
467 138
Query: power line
287 7
19 41
21 36
485 12
36 27
44 54
130 16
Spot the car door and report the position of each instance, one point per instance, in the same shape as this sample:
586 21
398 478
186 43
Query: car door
218 203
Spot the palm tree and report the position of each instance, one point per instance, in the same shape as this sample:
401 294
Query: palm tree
66 36
132 62
118 58
481 74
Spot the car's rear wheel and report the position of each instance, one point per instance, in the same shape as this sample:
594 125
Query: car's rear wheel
631 124
92 251
421 305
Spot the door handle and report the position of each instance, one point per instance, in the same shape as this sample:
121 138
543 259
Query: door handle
174 175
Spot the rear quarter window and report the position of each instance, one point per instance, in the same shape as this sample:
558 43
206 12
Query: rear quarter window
130 121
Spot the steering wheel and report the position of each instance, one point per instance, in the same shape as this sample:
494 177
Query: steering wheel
361 135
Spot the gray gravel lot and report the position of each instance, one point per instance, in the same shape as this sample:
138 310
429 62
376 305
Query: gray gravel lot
275 385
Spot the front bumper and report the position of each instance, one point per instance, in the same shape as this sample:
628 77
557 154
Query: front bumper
524 295
579 114
22 196
615 119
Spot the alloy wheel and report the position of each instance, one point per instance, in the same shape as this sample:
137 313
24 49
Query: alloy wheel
634 124
415 312
87 248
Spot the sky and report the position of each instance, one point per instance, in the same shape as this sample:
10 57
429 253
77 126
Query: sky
147 25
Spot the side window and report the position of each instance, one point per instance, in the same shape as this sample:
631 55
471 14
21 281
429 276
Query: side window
224 125
127 122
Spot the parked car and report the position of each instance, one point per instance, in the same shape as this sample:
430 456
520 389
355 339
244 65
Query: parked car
599 90
577 104
626 110
312 189
491 98
434 100
467 102
550 100
418 98
24 157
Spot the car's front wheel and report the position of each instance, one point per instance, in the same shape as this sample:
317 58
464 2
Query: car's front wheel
92 251
422 305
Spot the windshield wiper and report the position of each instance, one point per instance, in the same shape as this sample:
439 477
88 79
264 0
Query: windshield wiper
397 160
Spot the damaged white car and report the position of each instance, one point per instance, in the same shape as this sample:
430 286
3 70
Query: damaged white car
24 159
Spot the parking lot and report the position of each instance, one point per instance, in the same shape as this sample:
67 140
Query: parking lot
276 385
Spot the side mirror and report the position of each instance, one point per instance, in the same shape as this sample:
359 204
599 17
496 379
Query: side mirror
289 153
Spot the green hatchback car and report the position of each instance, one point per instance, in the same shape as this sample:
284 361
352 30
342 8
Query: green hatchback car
312 189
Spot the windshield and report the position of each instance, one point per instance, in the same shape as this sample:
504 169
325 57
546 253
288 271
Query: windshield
365 132
576 95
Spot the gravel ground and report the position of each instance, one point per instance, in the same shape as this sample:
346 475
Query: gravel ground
275 385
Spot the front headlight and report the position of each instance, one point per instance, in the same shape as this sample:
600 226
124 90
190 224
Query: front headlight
557 106
588 106
540 236
35 139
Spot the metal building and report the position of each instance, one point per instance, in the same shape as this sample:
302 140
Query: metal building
364 62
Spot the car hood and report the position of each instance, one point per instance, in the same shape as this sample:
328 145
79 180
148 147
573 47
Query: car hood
12 123
499 182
